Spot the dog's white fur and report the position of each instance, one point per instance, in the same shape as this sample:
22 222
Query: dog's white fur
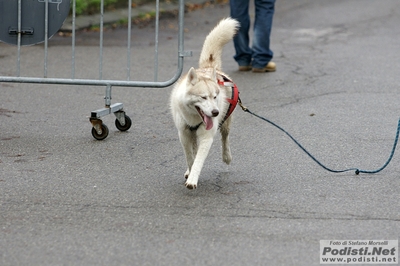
198 99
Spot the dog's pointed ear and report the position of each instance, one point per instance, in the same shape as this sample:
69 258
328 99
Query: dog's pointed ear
192 76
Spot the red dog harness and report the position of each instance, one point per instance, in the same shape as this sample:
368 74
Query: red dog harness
233 100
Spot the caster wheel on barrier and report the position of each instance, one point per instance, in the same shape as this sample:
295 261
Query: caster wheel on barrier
128 124
103 135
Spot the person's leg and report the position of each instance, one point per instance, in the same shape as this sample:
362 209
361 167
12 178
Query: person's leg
262 53
240 12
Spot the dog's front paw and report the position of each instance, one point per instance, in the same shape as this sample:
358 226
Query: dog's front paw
190 186
191 183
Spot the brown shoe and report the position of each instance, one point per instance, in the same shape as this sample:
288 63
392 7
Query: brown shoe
244 68
270 67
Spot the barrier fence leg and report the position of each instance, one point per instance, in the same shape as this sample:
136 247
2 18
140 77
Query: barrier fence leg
122 122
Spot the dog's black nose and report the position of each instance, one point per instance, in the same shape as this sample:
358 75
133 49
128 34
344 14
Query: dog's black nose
215 112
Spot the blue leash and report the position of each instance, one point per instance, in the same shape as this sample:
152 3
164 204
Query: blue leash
357 171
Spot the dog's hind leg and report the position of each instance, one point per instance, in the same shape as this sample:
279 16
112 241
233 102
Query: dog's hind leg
226 150
203 148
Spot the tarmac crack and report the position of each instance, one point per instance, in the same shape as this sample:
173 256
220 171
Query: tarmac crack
145 208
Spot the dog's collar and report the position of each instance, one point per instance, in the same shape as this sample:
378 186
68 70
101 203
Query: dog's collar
195 128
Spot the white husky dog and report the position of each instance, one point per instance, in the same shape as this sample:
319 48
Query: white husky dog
200 103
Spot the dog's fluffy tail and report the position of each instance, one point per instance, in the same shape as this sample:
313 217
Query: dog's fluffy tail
212 48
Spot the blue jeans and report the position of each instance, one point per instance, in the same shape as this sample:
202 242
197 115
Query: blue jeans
260 54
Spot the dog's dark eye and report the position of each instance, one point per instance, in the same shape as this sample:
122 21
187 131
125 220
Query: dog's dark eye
204 97
215 97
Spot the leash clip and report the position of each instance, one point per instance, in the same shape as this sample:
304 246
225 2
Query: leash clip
244 108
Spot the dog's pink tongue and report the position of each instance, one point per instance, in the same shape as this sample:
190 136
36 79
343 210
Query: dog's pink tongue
208 121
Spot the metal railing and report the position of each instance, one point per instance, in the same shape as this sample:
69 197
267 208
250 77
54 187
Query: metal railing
99 131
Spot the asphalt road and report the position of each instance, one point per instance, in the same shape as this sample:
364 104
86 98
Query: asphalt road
67 199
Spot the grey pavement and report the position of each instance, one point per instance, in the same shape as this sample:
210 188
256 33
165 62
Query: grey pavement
67 199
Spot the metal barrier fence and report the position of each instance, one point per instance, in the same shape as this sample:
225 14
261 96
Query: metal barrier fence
31 22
